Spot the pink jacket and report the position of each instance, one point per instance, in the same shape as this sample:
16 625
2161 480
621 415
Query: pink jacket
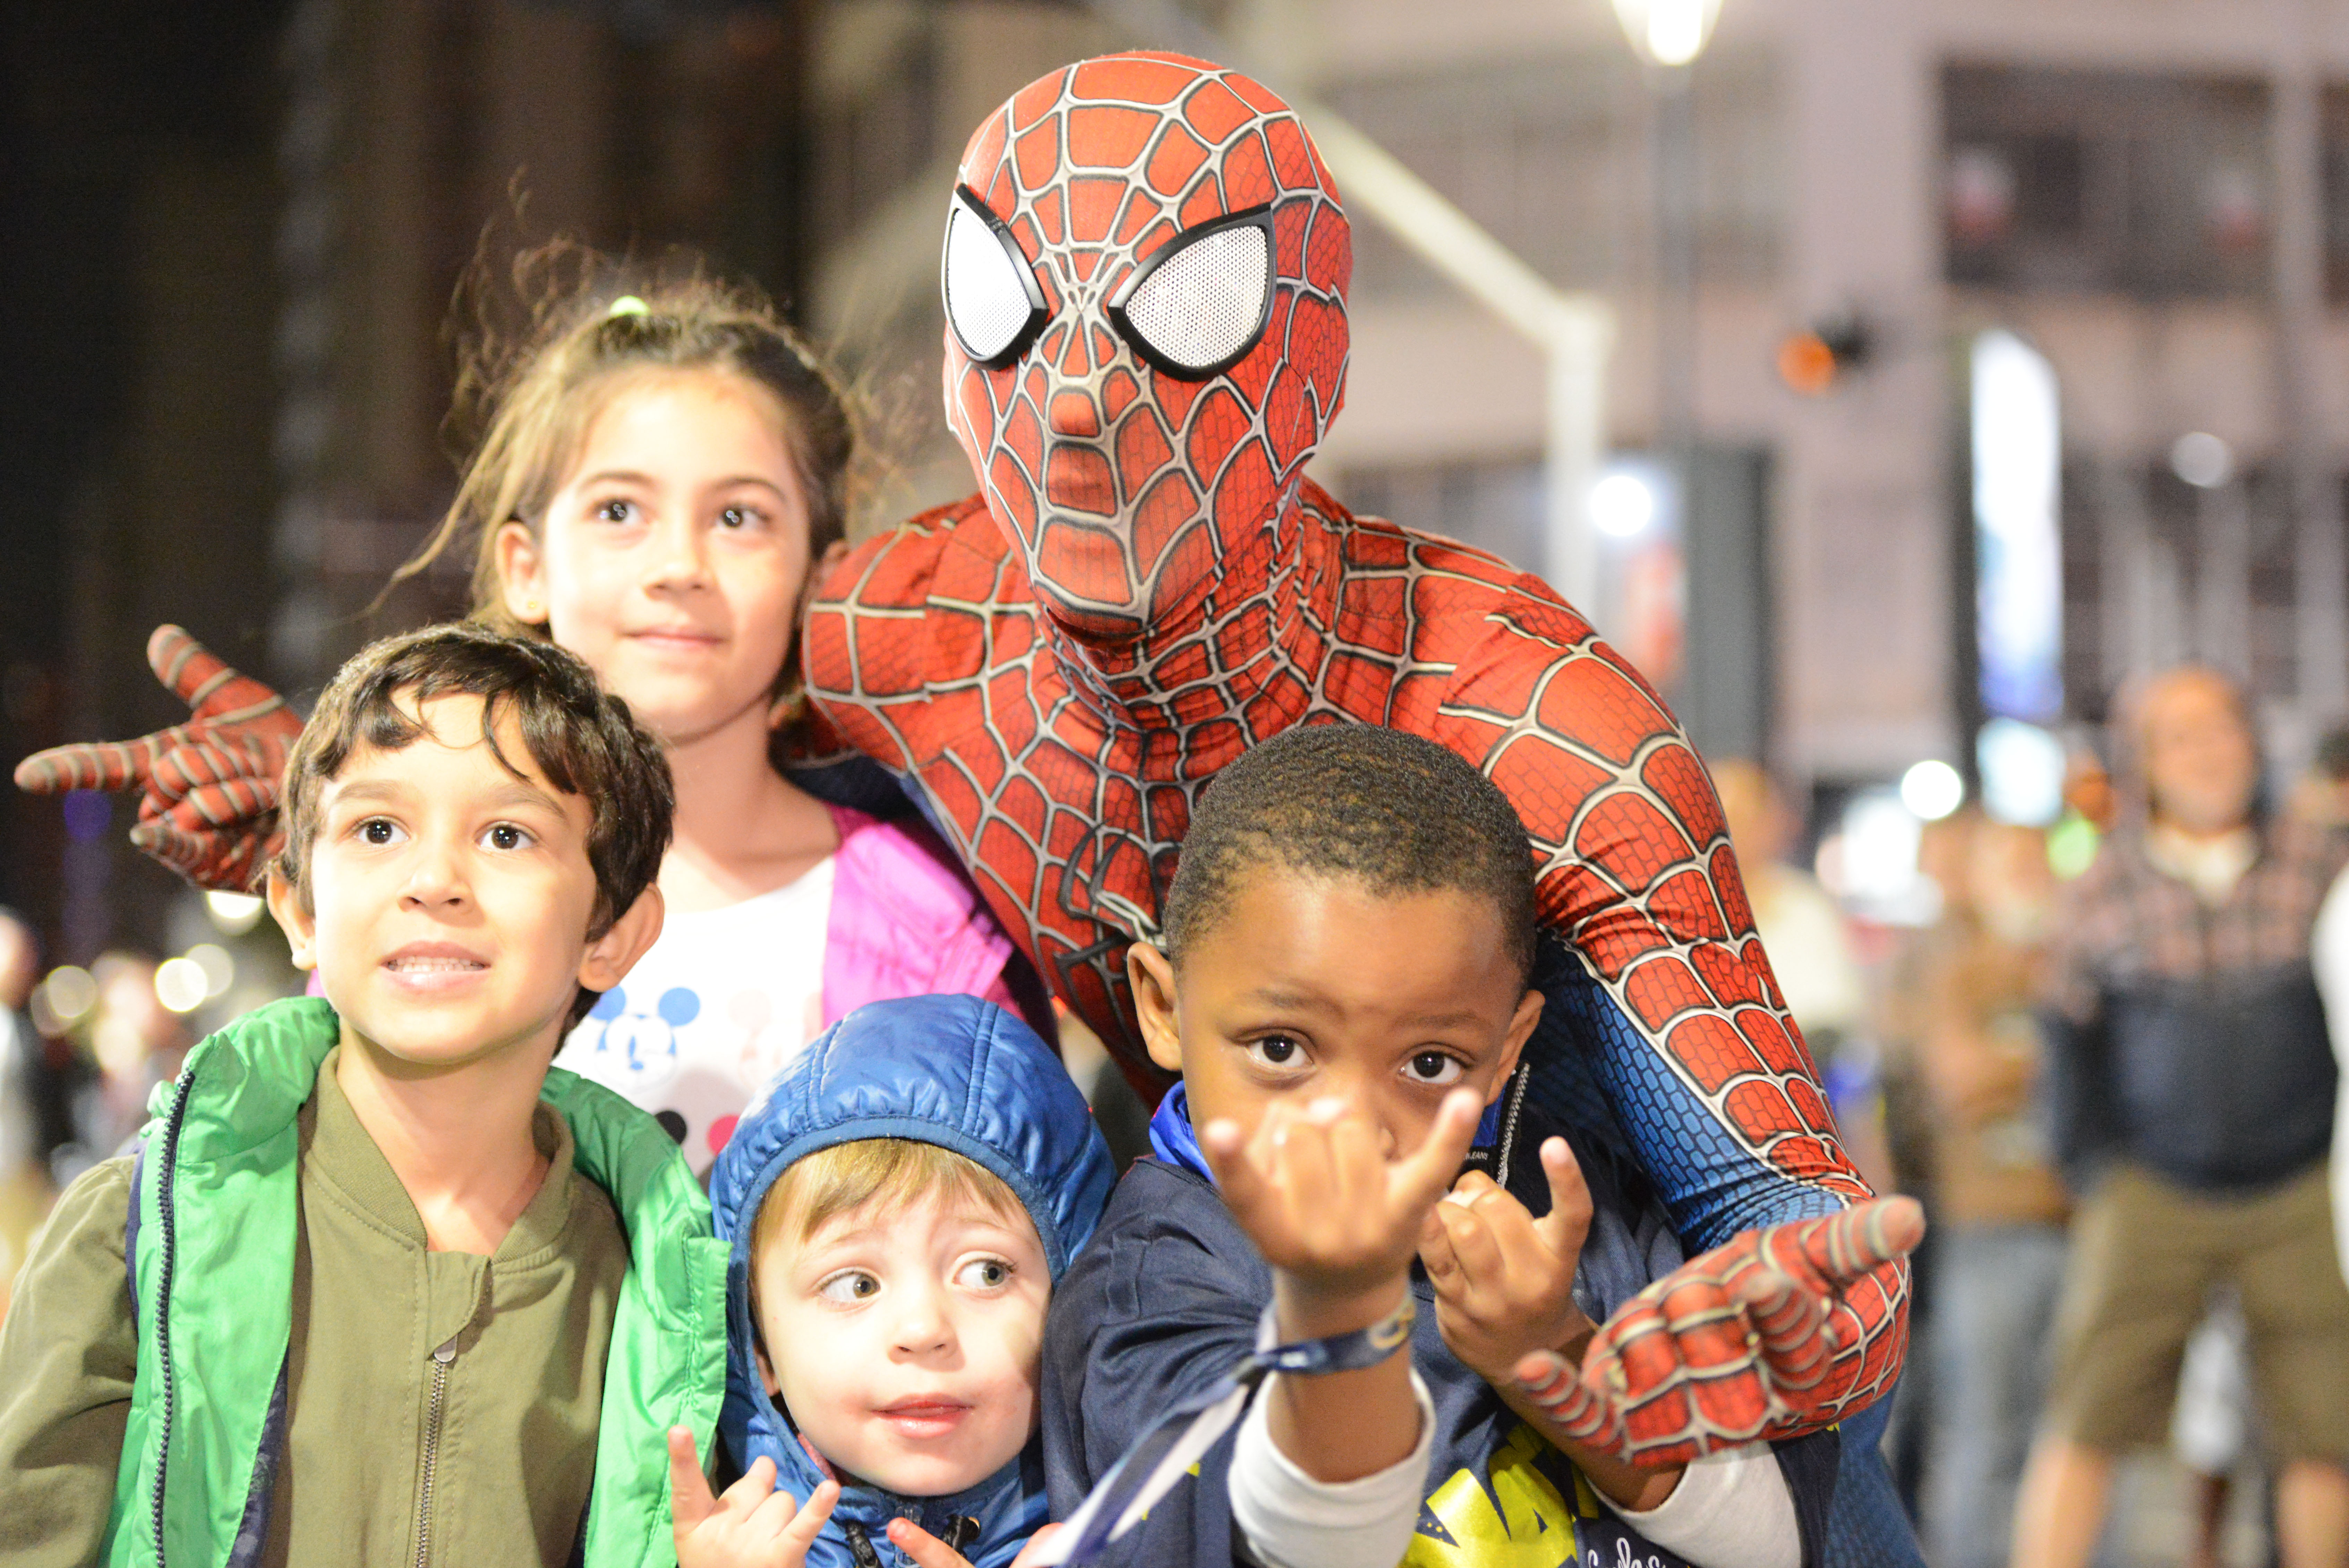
905 921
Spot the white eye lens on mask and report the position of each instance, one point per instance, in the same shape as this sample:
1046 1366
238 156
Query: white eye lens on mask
993 303
1195 308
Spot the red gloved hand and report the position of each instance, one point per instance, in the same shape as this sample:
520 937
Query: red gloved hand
208 803
1783 1331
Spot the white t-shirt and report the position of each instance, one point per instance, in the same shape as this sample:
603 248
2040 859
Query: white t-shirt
712 1010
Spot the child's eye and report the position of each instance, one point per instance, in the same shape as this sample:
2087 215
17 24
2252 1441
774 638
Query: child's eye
615 510
505 835
379 831
1434 1067
740 517
984 1274
1277 1051
849 1287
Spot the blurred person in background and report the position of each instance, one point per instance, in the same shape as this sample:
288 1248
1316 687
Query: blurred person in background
2331 953
1804 931
2191 1085
1801 925
25 1190
1997 1206
135 1043
20 1048
2321 795
2091 806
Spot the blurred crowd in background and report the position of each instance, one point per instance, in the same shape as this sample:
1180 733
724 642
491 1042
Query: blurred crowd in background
1958 366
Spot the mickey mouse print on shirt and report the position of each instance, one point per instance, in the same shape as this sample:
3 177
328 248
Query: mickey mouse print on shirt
719 1005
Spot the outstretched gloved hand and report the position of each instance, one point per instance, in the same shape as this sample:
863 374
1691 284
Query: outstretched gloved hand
208 800
1783 1328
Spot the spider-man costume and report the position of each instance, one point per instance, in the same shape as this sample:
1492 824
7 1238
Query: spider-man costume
1144 275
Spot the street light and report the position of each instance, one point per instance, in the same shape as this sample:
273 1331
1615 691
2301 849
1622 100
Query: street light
1668 36
1668 32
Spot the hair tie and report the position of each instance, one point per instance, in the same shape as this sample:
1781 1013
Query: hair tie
628 304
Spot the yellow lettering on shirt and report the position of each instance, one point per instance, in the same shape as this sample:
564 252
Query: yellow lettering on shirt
1523 1522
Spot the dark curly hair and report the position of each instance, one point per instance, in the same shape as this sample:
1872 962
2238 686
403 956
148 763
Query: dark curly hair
582 739
1392 811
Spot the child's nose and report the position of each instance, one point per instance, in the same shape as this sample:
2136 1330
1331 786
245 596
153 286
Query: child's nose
679 559
922 1326
436 876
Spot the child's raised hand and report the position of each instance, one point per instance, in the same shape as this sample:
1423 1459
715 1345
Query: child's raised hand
1336 1218
752 1525
1504 1279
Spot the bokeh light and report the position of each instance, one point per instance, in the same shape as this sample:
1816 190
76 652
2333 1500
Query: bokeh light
1932 789
180 984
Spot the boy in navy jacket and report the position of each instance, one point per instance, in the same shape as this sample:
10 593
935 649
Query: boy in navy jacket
1343 986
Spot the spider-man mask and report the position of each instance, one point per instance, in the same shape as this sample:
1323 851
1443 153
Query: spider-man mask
1145 295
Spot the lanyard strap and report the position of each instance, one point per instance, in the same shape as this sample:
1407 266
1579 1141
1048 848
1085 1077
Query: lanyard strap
1171 1444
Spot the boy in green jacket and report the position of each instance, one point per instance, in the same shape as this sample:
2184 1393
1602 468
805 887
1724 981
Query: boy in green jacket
394 1290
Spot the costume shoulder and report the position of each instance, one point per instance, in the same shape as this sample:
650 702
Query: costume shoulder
915 609
1664 1005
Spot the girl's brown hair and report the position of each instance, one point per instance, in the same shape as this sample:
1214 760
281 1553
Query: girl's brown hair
532 393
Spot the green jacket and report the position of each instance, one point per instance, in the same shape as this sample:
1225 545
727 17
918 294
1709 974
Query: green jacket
212 1244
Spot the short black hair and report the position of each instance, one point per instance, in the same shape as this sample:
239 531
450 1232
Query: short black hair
582 738
1391 810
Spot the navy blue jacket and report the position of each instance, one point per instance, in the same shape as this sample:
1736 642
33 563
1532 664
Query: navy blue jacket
1169 1295
948 1069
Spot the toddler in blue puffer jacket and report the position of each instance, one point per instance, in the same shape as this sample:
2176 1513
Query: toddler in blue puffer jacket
898 1205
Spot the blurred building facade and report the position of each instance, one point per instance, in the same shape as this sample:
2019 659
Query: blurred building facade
248 219
234 233
2156 198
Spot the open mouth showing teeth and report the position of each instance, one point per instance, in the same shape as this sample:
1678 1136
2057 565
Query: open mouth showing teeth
433 965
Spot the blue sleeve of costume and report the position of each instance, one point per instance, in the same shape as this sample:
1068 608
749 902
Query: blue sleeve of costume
1595 1067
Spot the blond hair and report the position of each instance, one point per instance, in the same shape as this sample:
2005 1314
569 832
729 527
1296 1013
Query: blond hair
895 1171
533 393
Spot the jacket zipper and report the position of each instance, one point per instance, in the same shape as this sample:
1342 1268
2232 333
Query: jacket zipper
441 1360
164 1296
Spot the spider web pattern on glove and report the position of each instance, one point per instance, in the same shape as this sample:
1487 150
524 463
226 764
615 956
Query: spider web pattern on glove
208 788
1749 1342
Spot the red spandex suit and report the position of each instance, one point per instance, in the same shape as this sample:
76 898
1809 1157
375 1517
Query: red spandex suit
1144 279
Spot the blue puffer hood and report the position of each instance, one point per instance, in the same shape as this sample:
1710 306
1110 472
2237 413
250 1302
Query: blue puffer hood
948 1070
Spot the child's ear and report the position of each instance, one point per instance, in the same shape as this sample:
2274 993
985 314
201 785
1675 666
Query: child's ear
522 573
1521 1029
1152 979
767 1371
611 956
300 925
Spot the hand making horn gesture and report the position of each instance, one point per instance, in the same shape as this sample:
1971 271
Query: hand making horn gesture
208 800
1750 1340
